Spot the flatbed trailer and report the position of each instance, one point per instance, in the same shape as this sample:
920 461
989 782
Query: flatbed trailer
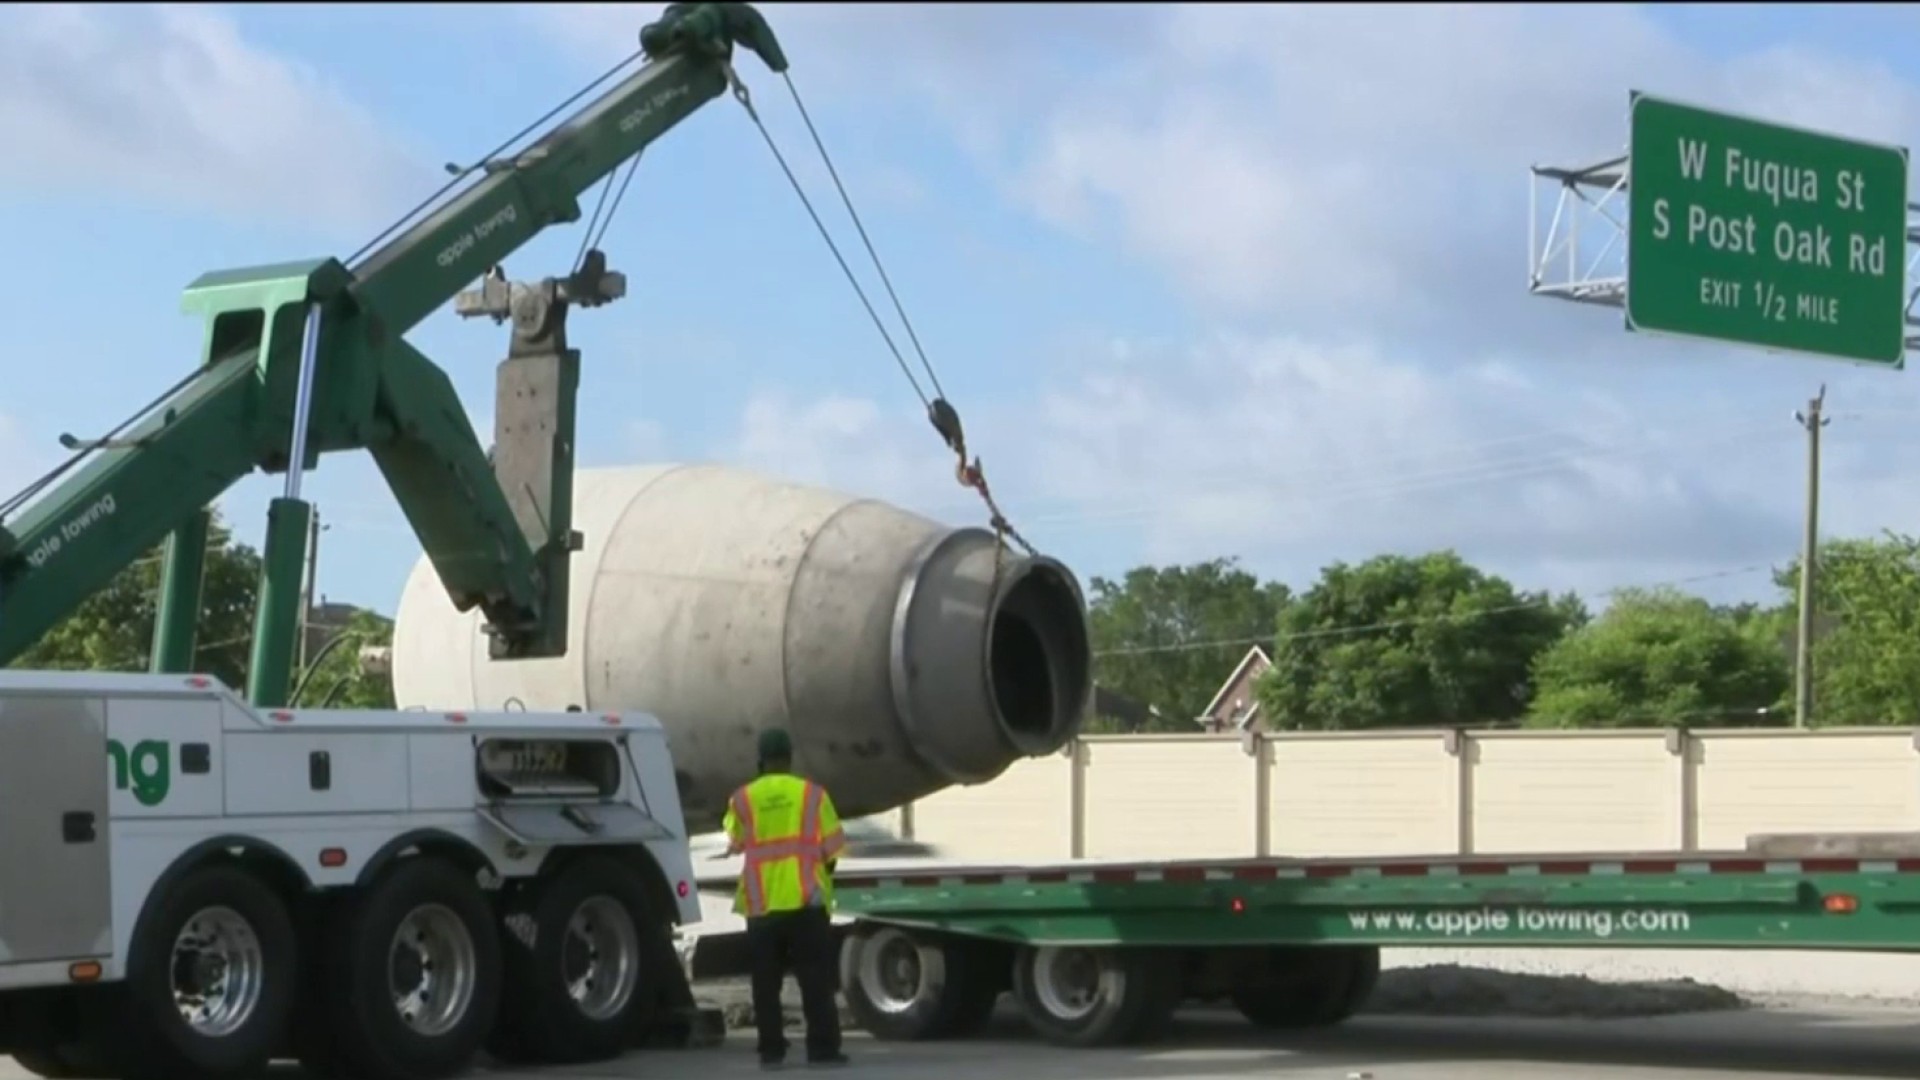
1103 953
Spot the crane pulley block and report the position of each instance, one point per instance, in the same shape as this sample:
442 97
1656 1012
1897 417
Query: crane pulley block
539 309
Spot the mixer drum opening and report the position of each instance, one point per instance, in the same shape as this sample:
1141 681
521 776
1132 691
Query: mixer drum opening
1038 657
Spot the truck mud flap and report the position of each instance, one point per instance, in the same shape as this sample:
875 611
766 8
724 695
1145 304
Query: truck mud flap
575 824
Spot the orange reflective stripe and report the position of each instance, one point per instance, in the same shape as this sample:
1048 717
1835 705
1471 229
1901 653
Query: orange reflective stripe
831 844
810 840
751 884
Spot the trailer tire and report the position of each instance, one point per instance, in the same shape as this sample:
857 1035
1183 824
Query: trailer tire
243 948
1166 988
1087 996
541 1022
1309 987
421 923
908 986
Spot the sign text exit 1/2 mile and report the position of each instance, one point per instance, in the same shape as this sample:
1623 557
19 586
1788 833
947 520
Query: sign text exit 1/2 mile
1759 234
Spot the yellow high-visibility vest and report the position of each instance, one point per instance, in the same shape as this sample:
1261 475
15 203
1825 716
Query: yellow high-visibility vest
789 830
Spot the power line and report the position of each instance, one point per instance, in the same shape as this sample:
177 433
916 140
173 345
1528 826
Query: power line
1519 468
1495 470
1422 620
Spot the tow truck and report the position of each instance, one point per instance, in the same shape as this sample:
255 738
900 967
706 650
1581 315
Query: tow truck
197 883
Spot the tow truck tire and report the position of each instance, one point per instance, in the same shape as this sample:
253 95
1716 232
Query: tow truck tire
64 1062
1087 996
226 930
586 924
906 986
413 983
1309 987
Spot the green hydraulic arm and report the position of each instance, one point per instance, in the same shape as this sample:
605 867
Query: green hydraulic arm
301 359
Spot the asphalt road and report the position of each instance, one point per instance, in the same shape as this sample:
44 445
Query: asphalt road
1799 1043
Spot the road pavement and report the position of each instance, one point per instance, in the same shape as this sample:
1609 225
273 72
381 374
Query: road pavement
1796 1043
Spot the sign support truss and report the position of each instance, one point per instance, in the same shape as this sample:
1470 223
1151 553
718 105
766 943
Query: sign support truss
1579 251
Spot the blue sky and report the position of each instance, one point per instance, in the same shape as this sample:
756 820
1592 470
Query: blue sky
1203 281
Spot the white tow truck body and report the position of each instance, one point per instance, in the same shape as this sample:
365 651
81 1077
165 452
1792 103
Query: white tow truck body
110 781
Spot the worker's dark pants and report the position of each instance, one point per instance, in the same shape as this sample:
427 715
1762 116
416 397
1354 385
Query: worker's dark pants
803 941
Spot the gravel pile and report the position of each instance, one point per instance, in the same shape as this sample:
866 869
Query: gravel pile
1431 990
1452 990
1812 979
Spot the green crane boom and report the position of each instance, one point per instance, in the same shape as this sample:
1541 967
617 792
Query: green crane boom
300 359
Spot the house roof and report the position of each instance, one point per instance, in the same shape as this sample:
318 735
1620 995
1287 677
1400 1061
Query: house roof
1253 654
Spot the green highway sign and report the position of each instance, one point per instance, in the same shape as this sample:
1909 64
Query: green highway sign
1758 234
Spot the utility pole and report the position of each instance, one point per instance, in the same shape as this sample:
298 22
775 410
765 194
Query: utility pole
1812 421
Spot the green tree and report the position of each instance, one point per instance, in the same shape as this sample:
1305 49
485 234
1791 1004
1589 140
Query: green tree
338 678
1866 655
112 630
1401 641
1156 633
1661 656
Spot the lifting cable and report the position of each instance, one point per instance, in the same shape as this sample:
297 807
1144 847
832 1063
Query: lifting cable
596 229
81 448
458 173
944 417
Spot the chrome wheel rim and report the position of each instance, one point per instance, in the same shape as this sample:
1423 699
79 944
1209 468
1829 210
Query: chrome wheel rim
432 965
1067 981
893 972
218 971
600 957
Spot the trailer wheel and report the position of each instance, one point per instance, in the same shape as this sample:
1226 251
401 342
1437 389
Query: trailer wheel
1308 987
1084 996
415 983
1162 971
210 983
575 988
905 986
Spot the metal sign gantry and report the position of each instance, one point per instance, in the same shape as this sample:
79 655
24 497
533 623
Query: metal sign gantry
1579 252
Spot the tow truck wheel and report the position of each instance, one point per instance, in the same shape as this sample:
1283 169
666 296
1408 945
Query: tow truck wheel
1083 996
210 980
575 988
415 983
1312 987
64 1062
904 986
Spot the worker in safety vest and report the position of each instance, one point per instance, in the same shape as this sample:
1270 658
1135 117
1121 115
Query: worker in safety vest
790 835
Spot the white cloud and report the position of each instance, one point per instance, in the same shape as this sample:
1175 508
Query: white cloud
844 442
1293 454
172 104
1283 162
1337 191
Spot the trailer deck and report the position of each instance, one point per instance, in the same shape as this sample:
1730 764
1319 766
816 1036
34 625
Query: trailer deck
1720 899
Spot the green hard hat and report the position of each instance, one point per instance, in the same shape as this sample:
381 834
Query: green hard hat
775 743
